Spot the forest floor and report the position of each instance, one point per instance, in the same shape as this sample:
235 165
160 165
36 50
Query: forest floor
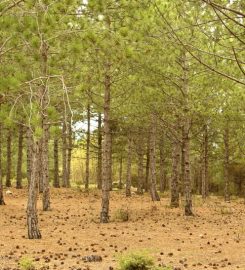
213 239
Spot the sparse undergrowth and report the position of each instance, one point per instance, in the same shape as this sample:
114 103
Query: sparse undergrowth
122 215
140 260
26 263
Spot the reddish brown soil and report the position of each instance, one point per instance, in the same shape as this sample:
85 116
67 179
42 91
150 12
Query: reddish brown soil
213 239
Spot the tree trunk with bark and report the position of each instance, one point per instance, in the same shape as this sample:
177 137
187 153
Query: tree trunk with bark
188 196
226 163
174 188
106 156
56 182
9 159
129 163
29 154
44 141
20 158
205 187
32 218
154 193
99 158
140 167
69 151
40 180
162 167
147 168
1 171
120 172
182 165
87 150
64 154
186 137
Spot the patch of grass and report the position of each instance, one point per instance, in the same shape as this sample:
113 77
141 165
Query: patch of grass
139 260
26 263
136 261
121 214
226 210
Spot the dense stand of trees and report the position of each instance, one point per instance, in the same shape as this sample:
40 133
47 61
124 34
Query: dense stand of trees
159 84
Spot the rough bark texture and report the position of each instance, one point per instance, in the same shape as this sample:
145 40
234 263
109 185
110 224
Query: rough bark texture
226 164
140 167
44 141
106 156
205 187
129 163
29 154
20 158
69 151
147 168
40 173
64 154
182 165
56 182
162 167
120 172
32 219
175 175
1 173
87 149
154 194
110 166
186 138
9 159
188 196
99 158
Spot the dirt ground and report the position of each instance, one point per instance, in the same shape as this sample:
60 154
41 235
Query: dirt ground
213 239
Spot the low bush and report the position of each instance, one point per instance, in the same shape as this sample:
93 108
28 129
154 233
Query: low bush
139 261
26 263
121 215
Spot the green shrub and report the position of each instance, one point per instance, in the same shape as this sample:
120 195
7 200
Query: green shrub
121 215
139 260
136 261
26 264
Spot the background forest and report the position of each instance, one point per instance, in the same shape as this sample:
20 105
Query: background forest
143 96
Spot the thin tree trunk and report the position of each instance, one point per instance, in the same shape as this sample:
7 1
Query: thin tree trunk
106 156
40 180
64 154
162 167
56 183
205 164
29 154
120 172
154 194
9 159
140 167
175 175
44 141
87 149
20 157
226 164
99 158
182 166
69 152
129 164
200 168
147 169
32 218
186 137
1 173
188 196
45 165
110 167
